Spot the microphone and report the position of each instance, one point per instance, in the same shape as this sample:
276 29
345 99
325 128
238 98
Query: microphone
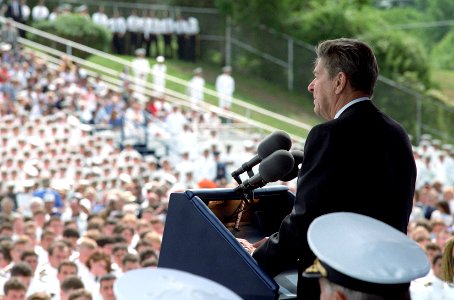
298 156
272 168
275 141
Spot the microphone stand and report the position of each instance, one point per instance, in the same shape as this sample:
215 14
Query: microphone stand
248 196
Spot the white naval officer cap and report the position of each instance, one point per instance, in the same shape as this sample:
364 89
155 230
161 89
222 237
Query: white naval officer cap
160 59
168 284
364 254
197 70
140 51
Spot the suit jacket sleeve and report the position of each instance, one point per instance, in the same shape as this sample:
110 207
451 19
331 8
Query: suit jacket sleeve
288 248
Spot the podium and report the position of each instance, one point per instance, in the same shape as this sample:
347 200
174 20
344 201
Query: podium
198 236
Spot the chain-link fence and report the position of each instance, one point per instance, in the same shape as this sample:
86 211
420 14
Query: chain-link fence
289 63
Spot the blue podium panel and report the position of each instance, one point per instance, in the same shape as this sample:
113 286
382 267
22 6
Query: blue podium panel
195 240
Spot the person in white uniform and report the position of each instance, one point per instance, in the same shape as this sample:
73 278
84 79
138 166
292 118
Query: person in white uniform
140 68
159 71
134 23
25 11
117 26
196 86
100 17
359 257
432 286
40 12
225 86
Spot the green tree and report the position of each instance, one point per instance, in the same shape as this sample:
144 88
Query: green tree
401 57
76 28
400 16
441 55
440 10
253 12
333 20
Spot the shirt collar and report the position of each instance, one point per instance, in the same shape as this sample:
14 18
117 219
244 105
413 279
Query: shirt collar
340 111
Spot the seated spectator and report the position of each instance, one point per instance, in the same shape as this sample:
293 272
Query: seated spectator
47 273
130 262
106 284
149 263
14 289
80 294
432 286
39 296
432 250
98 264
31 258
421 236
442 212
68 285
21 271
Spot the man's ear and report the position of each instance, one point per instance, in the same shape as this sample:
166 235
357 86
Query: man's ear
338 295
341 82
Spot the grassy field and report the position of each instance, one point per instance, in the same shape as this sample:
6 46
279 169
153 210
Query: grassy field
252 90
445 80
268 95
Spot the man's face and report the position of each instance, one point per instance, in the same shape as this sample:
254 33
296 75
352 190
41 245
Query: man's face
323 89
98 268
17 251
32 261
131 266
58 256
15 295
46 241
106 290
66 271
118 256
436 268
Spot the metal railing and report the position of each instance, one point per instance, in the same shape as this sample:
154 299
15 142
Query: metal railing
243 111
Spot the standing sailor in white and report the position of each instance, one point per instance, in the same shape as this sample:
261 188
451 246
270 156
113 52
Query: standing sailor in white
225 86
196 86
100 17
159 76
25 11
140 68
117 26
133 23
40 12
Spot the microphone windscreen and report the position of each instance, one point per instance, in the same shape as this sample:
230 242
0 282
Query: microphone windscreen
298 157
275 141
275 166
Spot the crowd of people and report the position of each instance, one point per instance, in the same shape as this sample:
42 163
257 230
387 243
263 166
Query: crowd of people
74 199
431 220
79 208
150 30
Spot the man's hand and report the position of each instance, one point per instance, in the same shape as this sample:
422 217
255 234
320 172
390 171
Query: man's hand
250 248
246 245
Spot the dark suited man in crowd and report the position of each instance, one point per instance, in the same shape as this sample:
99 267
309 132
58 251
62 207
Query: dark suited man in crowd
14 11
360 160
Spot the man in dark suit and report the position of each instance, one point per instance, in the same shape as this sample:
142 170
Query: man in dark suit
14 11
360 160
